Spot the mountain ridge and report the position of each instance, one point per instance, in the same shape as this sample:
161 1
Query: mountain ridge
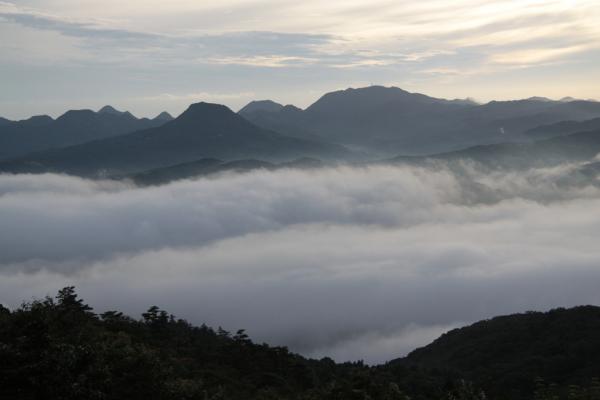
204 130
39 133
387 120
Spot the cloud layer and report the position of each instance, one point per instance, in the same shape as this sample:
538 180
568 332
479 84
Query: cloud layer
354 263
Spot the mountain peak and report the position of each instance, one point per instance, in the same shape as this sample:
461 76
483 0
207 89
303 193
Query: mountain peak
76 115
164 116
110 110
539 98
210 116
261 105
205 110
37 120
352 100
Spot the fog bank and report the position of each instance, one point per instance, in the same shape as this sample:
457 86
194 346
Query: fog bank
354 263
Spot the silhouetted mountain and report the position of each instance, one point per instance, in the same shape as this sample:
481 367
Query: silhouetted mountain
35 121
111 110
202 131
261 105
4 121
391 120
163 116
563 128
76 126
505 354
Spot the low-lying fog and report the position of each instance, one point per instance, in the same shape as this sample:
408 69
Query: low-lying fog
353 263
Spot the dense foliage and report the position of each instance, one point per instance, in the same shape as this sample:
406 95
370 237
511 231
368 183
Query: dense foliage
506 354
57 348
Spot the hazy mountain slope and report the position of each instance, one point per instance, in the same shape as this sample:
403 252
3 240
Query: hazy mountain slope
193 169
202 131
74 127
577 147
4 122
289 120
207 166
163 116
563 128
505 354
384 120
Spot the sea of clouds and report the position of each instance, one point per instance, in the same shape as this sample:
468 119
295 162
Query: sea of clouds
347 262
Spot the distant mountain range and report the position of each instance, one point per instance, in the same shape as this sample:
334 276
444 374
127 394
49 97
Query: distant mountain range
366 124
202 131
39 133
385 121
563 128
576 147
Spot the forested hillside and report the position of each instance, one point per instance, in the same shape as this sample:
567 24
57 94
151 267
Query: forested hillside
58 348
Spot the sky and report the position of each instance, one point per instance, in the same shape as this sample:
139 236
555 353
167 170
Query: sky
349 262
147 56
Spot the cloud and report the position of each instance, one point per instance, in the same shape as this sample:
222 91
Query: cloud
261 61
249 48
37 19
199 96
357 263
289 51
276 34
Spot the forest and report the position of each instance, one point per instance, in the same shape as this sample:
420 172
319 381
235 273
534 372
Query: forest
58 348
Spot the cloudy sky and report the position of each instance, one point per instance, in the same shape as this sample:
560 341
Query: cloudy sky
154 55
352 263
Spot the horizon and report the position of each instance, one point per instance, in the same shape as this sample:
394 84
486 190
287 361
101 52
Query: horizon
236 109
147 56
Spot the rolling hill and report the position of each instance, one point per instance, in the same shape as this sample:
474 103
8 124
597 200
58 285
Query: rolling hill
505 354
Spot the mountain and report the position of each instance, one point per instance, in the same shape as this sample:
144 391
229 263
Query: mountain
4 121
388 120
111 110
208 166
581 147
76 126
505 354
260 105
34 121
205 166
563 128
164 117
202 131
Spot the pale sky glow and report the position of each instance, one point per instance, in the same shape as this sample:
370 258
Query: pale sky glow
150 55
